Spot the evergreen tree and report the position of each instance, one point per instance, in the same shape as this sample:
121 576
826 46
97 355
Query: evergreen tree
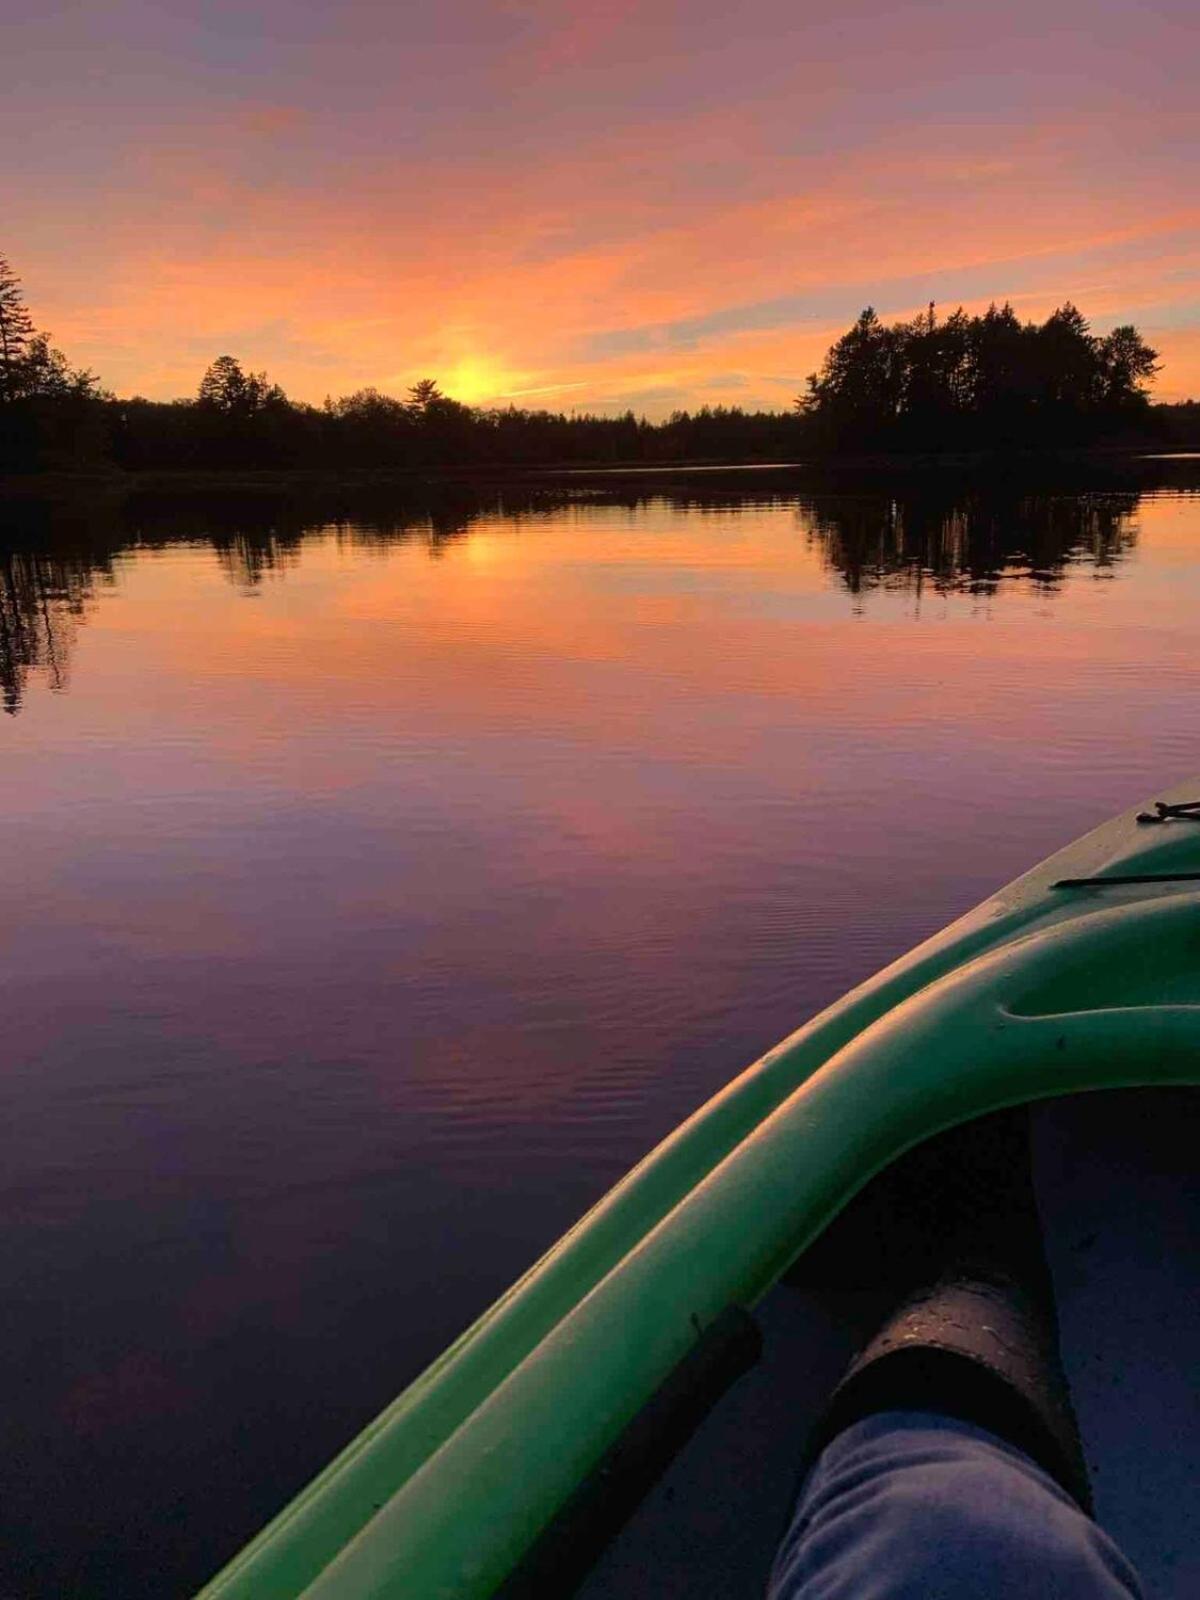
858 392
16 331
48 411
238 394
424 394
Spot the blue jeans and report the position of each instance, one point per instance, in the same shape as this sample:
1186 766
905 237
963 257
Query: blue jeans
913 1505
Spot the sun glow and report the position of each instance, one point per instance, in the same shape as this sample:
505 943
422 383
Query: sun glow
474 379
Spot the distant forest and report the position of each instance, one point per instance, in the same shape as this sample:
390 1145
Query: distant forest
957 385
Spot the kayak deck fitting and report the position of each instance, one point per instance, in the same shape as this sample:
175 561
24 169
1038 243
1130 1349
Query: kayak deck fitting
1084 974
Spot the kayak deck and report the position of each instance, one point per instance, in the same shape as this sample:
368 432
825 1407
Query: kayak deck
1121 1210
1117 1184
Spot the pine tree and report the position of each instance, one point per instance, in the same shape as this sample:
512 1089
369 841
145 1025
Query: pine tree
228 388
424 394
16 333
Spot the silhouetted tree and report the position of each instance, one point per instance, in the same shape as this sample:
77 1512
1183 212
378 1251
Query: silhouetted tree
858 392
16 331
226 388
1000 381
424 393
29 365
1127 363
245 419
48 411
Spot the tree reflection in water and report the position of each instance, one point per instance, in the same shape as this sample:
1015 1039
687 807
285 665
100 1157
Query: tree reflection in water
54 559
974 542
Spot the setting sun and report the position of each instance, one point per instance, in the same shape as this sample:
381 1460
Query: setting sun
474 379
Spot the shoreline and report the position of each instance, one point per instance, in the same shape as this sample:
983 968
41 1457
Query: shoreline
113 483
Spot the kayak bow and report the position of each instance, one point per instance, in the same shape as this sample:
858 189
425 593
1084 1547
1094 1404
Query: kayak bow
1081 975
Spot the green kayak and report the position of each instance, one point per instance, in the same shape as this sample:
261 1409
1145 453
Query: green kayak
1081 975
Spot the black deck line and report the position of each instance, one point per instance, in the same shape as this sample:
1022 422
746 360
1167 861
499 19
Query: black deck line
1129 877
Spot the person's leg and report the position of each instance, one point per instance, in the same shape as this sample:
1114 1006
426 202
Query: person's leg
917 1505
948 1461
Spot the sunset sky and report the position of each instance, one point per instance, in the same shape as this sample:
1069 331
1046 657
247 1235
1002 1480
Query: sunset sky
587 203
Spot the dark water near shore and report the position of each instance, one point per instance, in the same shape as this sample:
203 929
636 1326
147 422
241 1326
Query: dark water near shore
379 881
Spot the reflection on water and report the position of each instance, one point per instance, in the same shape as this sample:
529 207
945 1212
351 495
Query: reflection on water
976 542
382 876
969 540
42 598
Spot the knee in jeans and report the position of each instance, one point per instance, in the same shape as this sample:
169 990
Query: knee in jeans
907 1510
956 1522
957 1510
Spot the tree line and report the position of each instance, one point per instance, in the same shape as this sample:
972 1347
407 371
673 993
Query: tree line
963 383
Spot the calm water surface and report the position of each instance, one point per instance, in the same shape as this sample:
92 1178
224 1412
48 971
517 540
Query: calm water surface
377 887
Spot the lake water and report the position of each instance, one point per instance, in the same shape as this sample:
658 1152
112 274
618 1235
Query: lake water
380 880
